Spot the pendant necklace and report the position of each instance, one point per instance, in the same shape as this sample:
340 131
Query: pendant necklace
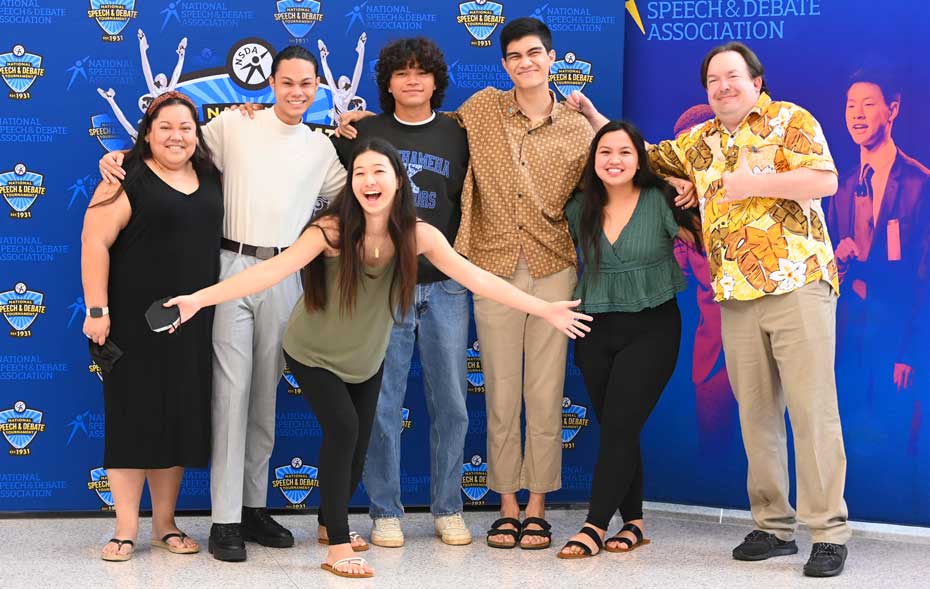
378 248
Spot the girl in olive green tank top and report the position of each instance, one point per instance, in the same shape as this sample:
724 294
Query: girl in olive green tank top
358 262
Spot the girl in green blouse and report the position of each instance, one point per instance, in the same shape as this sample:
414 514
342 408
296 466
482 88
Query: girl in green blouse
625 223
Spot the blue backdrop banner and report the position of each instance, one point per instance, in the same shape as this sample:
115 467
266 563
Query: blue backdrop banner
77 73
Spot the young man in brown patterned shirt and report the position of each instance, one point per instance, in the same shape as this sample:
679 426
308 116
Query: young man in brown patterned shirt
528 152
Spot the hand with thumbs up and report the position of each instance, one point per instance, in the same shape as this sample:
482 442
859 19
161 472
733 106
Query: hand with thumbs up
741 183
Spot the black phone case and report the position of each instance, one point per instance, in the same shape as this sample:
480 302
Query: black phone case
162 318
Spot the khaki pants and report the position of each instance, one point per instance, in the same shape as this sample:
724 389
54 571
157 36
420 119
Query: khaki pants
780 351
523 359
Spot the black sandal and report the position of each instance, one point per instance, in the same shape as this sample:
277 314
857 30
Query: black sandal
119 557
630 546
544 532
589 532
496 530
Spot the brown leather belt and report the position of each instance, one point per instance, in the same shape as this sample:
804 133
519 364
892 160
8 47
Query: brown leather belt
262 253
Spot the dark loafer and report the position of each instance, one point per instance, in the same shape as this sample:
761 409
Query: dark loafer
226 542
827 560
257 526
759 545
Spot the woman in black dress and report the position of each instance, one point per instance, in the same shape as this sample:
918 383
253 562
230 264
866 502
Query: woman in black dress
156 234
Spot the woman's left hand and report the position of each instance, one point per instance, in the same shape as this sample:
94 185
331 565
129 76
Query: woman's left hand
560 315
687 195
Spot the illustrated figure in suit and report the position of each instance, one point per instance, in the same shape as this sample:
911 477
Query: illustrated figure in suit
879 218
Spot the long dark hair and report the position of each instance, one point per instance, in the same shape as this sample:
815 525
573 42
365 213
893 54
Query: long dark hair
134 162
595 194
350 240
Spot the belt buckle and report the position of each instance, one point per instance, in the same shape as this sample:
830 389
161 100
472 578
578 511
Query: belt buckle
265 253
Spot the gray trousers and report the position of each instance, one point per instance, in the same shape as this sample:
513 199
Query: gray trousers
247 366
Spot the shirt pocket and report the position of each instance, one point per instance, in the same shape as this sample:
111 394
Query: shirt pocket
766 158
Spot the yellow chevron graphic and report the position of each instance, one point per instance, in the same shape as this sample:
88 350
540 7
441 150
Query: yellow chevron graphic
634 12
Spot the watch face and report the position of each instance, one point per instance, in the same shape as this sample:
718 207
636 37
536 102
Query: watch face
96 312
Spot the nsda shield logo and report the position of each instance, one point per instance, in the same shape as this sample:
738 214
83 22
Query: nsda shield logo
20 69
296 481
573 419
20 189
20 307
112 16
570 74
109 133
405 421
293 387
480 18
100 484
475 479
20 426
298 16
473 373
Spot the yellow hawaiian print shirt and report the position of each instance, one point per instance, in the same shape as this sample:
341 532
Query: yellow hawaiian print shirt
760 245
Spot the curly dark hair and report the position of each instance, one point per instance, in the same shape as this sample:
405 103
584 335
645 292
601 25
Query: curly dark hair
404 53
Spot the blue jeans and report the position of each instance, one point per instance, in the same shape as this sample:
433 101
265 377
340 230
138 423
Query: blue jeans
439 319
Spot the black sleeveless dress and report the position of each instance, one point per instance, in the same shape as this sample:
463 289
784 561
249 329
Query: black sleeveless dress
157 397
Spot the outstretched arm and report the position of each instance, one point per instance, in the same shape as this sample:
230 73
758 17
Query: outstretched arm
327 74
256 278
118 112
359 63
146 68
433 244
182 48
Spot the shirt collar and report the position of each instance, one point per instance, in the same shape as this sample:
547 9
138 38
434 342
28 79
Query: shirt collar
511 108
757 110
882 159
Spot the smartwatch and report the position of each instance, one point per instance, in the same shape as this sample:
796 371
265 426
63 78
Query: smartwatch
97 312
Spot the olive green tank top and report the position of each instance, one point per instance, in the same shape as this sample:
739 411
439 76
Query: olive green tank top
352 345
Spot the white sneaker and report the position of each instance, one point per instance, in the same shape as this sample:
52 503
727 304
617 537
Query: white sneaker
452 529
386 532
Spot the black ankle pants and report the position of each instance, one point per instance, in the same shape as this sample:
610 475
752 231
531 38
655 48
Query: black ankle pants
345 412
626 361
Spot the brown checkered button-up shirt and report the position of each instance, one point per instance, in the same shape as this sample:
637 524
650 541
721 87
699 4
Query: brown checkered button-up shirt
519 178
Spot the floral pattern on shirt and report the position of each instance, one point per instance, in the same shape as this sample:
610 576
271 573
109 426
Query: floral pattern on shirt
759 245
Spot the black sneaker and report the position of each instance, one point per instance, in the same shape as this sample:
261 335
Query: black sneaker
826 560
226 542
759 545
257 526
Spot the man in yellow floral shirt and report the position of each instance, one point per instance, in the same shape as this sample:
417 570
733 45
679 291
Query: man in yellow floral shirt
760 168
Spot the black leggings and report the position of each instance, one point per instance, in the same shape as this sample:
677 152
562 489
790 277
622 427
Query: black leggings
345 412
626 361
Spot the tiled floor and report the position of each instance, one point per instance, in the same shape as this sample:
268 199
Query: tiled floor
689 549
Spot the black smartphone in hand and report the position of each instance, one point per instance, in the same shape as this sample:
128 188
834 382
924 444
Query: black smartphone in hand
161 318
